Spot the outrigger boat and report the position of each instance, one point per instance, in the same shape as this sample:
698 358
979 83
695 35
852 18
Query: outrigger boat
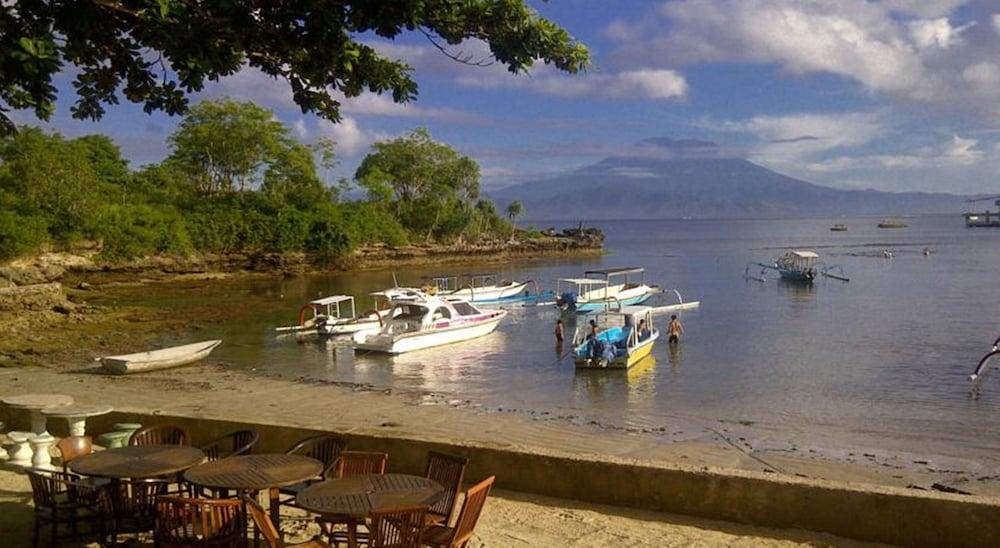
598 292
478 287
798 266
336 315
620 343
419 321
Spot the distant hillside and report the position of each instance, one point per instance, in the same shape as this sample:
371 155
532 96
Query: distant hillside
690 179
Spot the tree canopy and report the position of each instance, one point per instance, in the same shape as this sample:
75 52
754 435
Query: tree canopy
157 52
218 192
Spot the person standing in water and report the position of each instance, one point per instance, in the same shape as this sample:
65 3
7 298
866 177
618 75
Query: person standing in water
559 331
674 330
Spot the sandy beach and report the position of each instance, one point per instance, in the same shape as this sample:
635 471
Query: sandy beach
513 519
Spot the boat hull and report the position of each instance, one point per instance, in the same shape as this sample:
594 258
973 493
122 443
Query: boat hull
596 306
634 356
409 342
796 276
494 293
159 359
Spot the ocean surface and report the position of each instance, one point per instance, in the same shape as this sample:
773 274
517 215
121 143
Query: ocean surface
877 364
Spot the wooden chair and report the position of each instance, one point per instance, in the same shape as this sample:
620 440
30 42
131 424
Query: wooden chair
324 448
270 533
160 434
472 507
358 463
187 523
232 444
398 527
60 499
133 505
449 471
73 447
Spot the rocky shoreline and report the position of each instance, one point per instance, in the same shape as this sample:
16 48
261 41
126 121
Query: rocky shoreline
46 318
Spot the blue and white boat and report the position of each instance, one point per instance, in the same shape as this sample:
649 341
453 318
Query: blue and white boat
604 289
624 338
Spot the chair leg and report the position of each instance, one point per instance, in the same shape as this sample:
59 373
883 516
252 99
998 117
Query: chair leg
34 537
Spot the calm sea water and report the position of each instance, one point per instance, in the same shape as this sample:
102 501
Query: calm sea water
878 363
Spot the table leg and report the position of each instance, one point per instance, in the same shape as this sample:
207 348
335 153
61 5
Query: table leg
275 510
37 422
352 533
77 426
40 446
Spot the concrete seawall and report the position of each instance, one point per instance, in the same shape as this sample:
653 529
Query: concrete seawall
863 512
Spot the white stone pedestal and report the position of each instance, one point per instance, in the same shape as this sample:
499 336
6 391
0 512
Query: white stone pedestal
3 452
40 446
20 454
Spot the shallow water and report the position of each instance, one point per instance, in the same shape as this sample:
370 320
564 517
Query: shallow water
879 363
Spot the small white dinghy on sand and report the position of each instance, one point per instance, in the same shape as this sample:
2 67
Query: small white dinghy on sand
164 358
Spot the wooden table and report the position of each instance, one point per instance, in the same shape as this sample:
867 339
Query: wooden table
138 461
358 496
255 473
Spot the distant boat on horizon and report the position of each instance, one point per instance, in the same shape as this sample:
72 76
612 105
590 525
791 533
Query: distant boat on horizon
838 228
892 223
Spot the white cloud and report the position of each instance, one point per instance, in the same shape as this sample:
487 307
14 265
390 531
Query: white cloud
931 33
911 50
956 152
995 19
350 138
657 84
795 138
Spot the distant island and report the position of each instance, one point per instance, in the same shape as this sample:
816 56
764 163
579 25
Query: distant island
666 178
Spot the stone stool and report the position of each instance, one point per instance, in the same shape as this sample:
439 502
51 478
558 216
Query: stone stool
41 445
129 427
3 452
112 440
20 453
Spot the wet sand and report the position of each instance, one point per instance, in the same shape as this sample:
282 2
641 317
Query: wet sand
513 519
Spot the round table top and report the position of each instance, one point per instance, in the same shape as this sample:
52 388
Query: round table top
37 401
77 410
138 461
255 472
359 496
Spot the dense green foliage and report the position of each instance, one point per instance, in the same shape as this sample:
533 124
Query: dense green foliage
157 52
235 182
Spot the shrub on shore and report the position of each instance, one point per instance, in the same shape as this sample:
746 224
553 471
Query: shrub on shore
236 181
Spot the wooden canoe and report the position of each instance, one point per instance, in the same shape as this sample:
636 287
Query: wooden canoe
153 360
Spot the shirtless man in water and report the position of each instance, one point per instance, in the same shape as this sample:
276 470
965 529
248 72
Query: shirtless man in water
674 330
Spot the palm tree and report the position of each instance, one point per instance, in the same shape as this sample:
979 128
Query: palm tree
514 210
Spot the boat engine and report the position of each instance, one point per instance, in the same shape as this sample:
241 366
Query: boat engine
566 300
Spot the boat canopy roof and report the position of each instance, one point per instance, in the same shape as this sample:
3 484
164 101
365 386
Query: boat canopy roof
332 299
616 271
805 254
583 281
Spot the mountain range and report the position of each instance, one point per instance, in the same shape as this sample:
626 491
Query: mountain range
665 178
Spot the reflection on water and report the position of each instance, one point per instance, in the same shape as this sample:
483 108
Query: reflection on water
879 361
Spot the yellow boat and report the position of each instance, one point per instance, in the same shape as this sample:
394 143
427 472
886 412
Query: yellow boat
624 337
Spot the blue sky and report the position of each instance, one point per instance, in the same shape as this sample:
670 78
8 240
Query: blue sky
888 94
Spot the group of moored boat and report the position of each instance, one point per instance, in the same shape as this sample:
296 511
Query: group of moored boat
452 309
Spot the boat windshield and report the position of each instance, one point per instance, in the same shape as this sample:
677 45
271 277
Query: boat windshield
406 318
464 309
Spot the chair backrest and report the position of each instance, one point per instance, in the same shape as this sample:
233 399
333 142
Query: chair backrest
449 471
472 507
233 444
263 523
44 487
324 448
160 434
73 447
136 498
358 463
198 522
397 527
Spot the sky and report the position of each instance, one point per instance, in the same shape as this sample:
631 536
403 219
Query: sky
896 95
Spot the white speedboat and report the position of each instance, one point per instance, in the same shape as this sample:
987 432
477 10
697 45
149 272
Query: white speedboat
421 321
604 289
478 287
336 315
